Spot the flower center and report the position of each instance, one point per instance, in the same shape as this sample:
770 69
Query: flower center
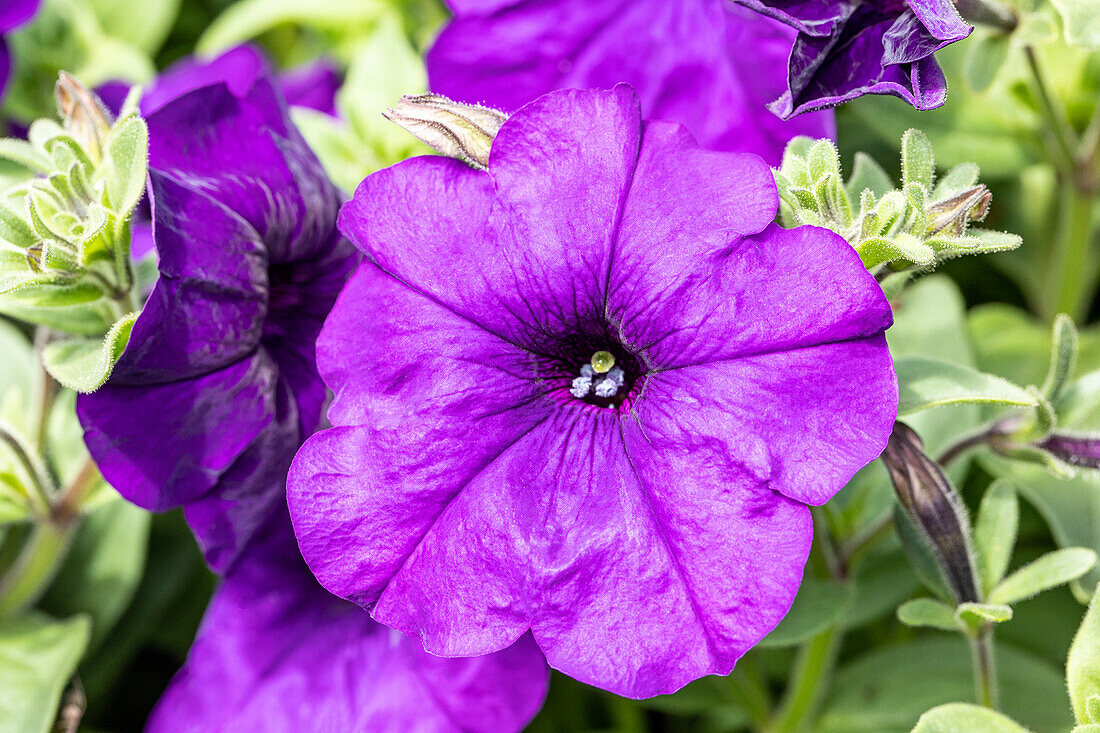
600 378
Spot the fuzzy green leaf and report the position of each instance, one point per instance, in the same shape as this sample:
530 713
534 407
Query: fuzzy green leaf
917 160
995 532
1063 356
867 175
1083 666
84 364
37 657
128 153
925 383
1049 571
955 181
957 717
928 612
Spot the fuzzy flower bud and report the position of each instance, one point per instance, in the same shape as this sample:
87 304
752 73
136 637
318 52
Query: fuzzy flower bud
463 131
931 502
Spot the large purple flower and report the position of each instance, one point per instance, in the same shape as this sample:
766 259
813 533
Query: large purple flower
703 63
13 13
847 48
217 388
276 652
489 472
218 385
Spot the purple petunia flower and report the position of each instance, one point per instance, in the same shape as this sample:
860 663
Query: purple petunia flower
216 390
704 63
588 393
276 652
250 262
848 48
13 13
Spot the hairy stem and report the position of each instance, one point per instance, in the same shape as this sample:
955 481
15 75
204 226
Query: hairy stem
985 671
36 566
1072 273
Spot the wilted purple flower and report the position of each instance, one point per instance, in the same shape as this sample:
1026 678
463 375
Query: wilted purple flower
588 392
276 652
13 13
704 63
848 48
218 385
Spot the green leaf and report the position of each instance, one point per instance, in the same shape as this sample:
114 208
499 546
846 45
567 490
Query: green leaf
987 53
917 161
990 241
976 614
995 532
823 161
21 152
1080 21
879 250
103 566
815 608
955 181
144 23
128 154
867 175
15 230
37 657
1083 665
958 717
928 612
924 383
247 19
887 689
84 364
1063 356
1049 571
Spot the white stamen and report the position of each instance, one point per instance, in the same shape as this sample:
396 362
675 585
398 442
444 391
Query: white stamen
606 388
588 371
581 387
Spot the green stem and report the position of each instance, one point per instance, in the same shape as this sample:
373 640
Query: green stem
808 683
748 690
36 566
1072 272
1059 127
40 481
985 671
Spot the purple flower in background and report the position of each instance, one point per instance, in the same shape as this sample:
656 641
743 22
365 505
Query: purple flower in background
13 13
848 48
704 63
218 385
588 393
276 652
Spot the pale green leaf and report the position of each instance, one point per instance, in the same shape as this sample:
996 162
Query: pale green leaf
1063 356
37 657
995 532
867 175
917 161
928 612
128 154
1083 665
84 364
924 383
245 20
1080 21
955 181
975 614
958 717
1050 570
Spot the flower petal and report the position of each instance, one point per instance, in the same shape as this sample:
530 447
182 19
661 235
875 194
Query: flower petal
686 60
455 233
427 409
277 185
278 653
800 422
687 289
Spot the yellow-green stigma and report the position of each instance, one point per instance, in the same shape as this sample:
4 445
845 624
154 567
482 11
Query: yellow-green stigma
602 361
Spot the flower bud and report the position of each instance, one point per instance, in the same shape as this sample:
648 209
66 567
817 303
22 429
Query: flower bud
84 116
929 499
951 216
463 131
1076 450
